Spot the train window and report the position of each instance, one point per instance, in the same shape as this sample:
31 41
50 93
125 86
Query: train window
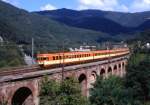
76 56
53 57
70 56
66 57
57 57
44 58
73 56
60 57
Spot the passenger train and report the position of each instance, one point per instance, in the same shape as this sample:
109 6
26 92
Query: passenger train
69 58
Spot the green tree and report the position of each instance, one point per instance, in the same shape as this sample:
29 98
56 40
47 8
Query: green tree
66 93
110 91
138 78
10 56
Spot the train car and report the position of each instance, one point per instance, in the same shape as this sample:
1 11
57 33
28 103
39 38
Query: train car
68 58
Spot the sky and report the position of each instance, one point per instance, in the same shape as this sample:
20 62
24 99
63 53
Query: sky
107 5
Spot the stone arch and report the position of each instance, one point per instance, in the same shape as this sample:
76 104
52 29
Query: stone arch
93 76
115 69
109 71
67 78
102 72
119 69
123 65
119 65
83 82
123 68
23 96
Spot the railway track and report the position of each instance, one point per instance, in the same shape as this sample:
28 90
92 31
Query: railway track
34 68
18 70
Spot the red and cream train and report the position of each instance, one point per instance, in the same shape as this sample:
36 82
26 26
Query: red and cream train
67 58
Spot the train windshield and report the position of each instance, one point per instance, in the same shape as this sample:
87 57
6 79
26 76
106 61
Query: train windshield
42 58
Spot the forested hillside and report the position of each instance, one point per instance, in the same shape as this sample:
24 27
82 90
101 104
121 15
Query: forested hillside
106 21
20 26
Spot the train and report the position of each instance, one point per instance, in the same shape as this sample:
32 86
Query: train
78 57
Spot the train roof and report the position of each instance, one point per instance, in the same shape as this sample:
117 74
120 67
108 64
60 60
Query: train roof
76 52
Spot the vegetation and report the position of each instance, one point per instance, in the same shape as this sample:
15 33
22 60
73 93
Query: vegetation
133 89
110 91
20 26
61 93
137 78
105 21
10 56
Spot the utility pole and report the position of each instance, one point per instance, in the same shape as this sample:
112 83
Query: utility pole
32 50
63 62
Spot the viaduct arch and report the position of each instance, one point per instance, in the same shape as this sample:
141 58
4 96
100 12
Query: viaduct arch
83 82
23 96
26 90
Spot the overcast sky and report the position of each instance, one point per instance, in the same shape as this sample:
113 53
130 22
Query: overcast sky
108 5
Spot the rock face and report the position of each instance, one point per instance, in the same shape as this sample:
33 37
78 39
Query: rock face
1 39
28 60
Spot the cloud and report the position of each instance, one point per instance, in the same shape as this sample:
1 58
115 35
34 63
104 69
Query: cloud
115 5
13 2
140 5
48 7
5 0
98 4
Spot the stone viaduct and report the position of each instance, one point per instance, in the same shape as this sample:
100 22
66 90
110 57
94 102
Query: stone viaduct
24 88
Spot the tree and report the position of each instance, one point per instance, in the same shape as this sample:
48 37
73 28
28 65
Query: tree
66 93
110 91
138 78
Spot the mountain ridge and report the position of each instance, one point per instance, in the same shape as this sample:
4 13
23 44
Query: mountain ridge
21 26
124 22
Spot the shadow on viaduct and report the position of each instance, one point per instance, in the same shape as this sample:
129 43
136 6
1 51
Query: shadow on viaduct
25 91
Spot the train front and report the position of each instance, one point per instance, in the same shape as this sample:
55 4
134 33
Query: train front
42 60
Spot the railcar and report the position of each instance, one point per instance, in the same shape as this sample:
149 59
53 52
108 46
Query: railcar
68 58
